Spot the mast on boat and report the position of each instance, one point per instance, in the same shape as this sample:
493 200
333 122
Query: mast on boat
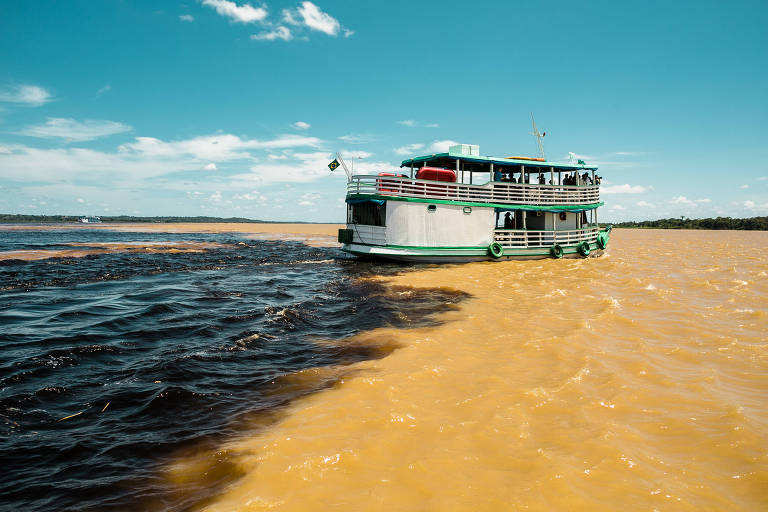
539 136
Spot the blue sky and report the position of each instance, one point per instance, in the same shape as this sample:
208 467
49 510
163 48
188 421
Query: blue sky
228 108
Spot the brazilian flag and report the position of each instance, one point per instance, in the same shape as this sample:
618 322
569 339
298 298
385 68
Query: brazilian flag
333 165
581 162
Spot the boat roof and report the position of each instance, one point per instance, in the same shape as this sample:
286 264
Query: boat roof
497 160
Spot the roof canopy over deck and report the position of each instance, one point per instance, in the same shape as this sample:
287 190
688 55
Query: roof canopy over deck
473 162
448 160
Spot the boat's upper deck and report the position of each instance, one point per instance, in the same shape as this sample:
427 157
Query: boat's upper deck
465 176
491 193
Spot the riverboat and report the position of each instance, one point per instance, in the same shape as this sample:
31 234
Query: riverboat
459 206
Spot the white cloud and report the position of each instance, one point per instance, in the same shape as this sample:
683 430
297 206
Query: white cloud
4 150
210 167
31 95
762 178
441 146
616 207
273 156
751 205
70 129
104 89
148 157
408 149
356 154
215 197
301 125
623 189
280 32
412 123
316 19
187 17
290 18
308 199
357 138
681 200
222 147
645 204
348 33
250 196
689 202
80 200
744 186
301 167
245 13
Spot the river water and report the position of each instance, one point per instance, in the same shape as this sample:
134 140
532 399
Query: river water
634 381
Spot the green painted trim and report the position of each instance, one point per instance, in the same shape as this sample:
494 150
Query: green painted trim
433 251
424 247
588 206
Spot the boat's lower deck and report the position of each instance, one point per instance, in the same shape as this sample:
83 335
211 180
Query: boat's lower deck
393 229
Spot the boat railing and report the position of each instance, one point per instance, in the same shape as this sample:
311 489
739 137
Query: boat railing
517 238
497 192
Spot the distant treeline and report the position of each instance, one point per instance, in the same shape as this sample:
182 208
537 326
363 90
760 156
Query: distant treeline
752 224
9 218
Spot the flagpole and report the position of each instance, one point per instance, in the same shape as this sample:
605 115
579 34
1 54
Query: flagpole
344 165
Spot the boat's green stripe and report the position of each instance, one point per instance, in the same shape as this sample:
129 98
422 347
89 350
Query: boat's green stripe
438 250
588 206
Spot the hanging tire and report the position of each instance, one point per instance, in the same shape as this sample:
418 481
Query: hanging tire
583 248
556 251
496 250
602 240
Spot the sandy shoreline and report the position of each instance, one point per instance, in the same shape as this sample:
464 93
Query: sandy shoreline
318 235
188 227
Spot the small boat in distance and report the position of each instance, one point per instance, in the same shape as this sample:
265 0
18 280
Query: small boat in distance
89 220
459 206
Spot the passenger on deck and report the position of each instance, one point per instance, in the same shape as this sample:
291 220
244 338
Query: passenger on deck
497 174
508 222
586 179
542 181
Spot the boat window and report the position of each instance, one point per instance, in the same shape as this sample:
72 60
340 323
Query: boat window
467 209
368 213
431 208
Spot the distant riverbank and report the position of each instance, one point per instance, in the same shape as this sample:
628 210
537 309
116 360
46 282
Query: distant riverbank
749 224
6 218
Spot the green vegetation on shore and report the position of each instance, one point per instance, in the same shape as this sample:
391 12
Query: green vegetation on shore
17 219
750 224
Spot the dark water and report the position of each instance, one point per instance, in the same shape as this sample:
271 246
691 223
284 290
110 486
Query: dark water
155 352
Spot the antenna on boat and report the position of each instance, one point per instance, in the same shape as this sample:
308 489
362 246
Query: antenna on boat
344 165
538 136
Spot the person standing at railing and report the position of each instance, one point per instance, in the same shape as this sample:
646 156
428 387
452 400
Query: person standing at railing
508 222
497 174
